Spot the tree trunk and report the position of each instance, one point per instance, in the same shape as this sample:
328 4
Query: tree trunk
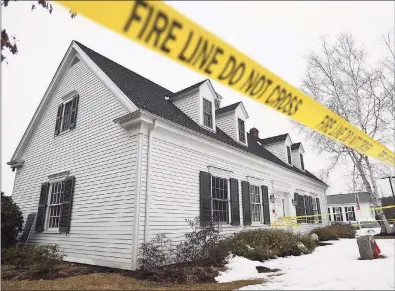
385 227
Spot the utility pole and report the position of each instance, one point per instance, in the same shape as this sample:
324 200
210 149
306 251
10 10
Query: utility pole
389 179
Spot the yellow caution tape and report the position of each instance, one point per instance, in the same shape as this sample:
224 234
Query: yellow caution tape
161 28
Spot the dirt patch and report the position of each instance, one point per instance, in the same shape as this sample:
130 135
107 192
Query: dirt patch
63 270
322 244
116 282
262 269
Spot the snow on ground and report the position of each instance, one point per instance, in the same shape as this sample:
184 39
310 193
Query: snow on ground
334 267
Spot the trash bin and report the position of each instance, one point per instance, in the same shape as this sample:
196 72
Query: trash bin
365 245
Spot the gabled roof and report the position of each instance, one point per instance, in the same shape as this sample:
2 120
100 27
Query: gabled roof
295 146
189 88
228 108
364 197
149 96
274 139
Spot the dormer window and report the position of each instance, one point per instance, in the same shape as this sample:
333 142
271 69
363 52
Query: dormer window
301 162
242 131
289 155
207 113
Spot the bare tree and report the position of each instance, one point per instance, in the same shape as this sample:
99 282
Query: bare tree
341 78
8 42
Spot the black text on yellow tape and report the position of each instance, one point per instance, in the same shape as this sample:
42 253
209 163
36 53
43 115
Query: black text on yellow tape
161 28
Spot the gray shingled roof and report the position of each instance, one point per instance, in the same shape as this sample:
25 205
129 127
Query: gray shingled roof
274 139
364 197
189 88
228 108
295 146
150 96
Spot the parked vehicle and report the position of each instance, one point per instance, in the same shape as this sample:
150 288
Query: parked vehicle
366 227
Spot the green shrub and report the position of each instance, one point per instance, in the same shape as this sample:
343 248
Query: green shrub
11 221
264 244
38 258
334 232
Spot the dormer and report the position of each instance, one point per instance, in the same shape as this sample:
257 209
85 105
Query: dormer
232 120
297 152
279 146
199 102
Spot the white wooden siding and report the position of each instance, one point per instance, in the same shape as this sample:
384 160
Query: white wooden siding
278 149
175 186
226 122
101 156
295 155
189 105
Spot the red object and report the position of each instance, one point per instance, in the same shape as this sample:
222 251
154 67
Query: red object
358 207
376 249
274 211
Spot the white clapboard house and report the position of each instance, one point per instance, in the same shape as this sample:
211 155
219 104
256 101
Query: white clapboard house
110 159
350 207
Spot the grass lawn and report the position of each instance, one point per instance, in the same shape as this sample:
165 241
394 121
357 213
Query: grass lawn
115 282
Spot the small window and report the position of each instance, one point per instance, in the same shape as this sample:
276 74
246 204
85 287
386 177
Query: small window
242 131
289 155
301 162
67 115
350 214
55 200
256 204
207 113
220 205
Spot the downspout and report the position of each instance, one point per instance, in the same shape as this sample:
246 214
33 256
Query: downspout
148 190
137 195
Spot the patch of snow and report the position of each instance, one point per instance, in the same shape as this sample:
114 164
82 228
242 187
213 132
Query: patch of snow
239 268
333 267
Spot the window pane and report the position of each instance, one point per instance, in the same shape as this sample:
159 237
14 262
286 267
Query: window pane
66 115
241 130
207 113
219 192
55 204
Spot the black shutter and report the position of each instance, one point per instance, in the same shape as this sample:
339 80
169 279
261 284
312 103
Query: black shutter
311 211
205 198
42 207
28 227
265 202
297 209
353 213
64 223
329 214
245 195
234 201
59 119
319 210
74 109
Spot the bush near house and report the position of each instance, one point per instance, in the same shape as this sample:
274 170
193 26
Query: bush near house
334 232
264 244
11 221
36 259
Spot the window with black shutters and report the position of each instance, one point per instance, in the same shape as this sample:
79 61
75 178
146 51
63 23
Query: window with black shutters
207 113
220 198
301 162
242 132
55 199
350 214
67 115
289 155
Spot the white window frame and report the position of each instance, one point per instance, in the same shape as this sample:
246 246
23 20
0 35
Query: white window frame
337 212
315 209
228 199
238 130
212 113
259 204
349 210
65 100
49 205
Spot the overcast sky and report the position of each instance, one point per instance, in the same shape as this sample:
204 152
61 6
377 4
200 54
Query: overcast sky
276 34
